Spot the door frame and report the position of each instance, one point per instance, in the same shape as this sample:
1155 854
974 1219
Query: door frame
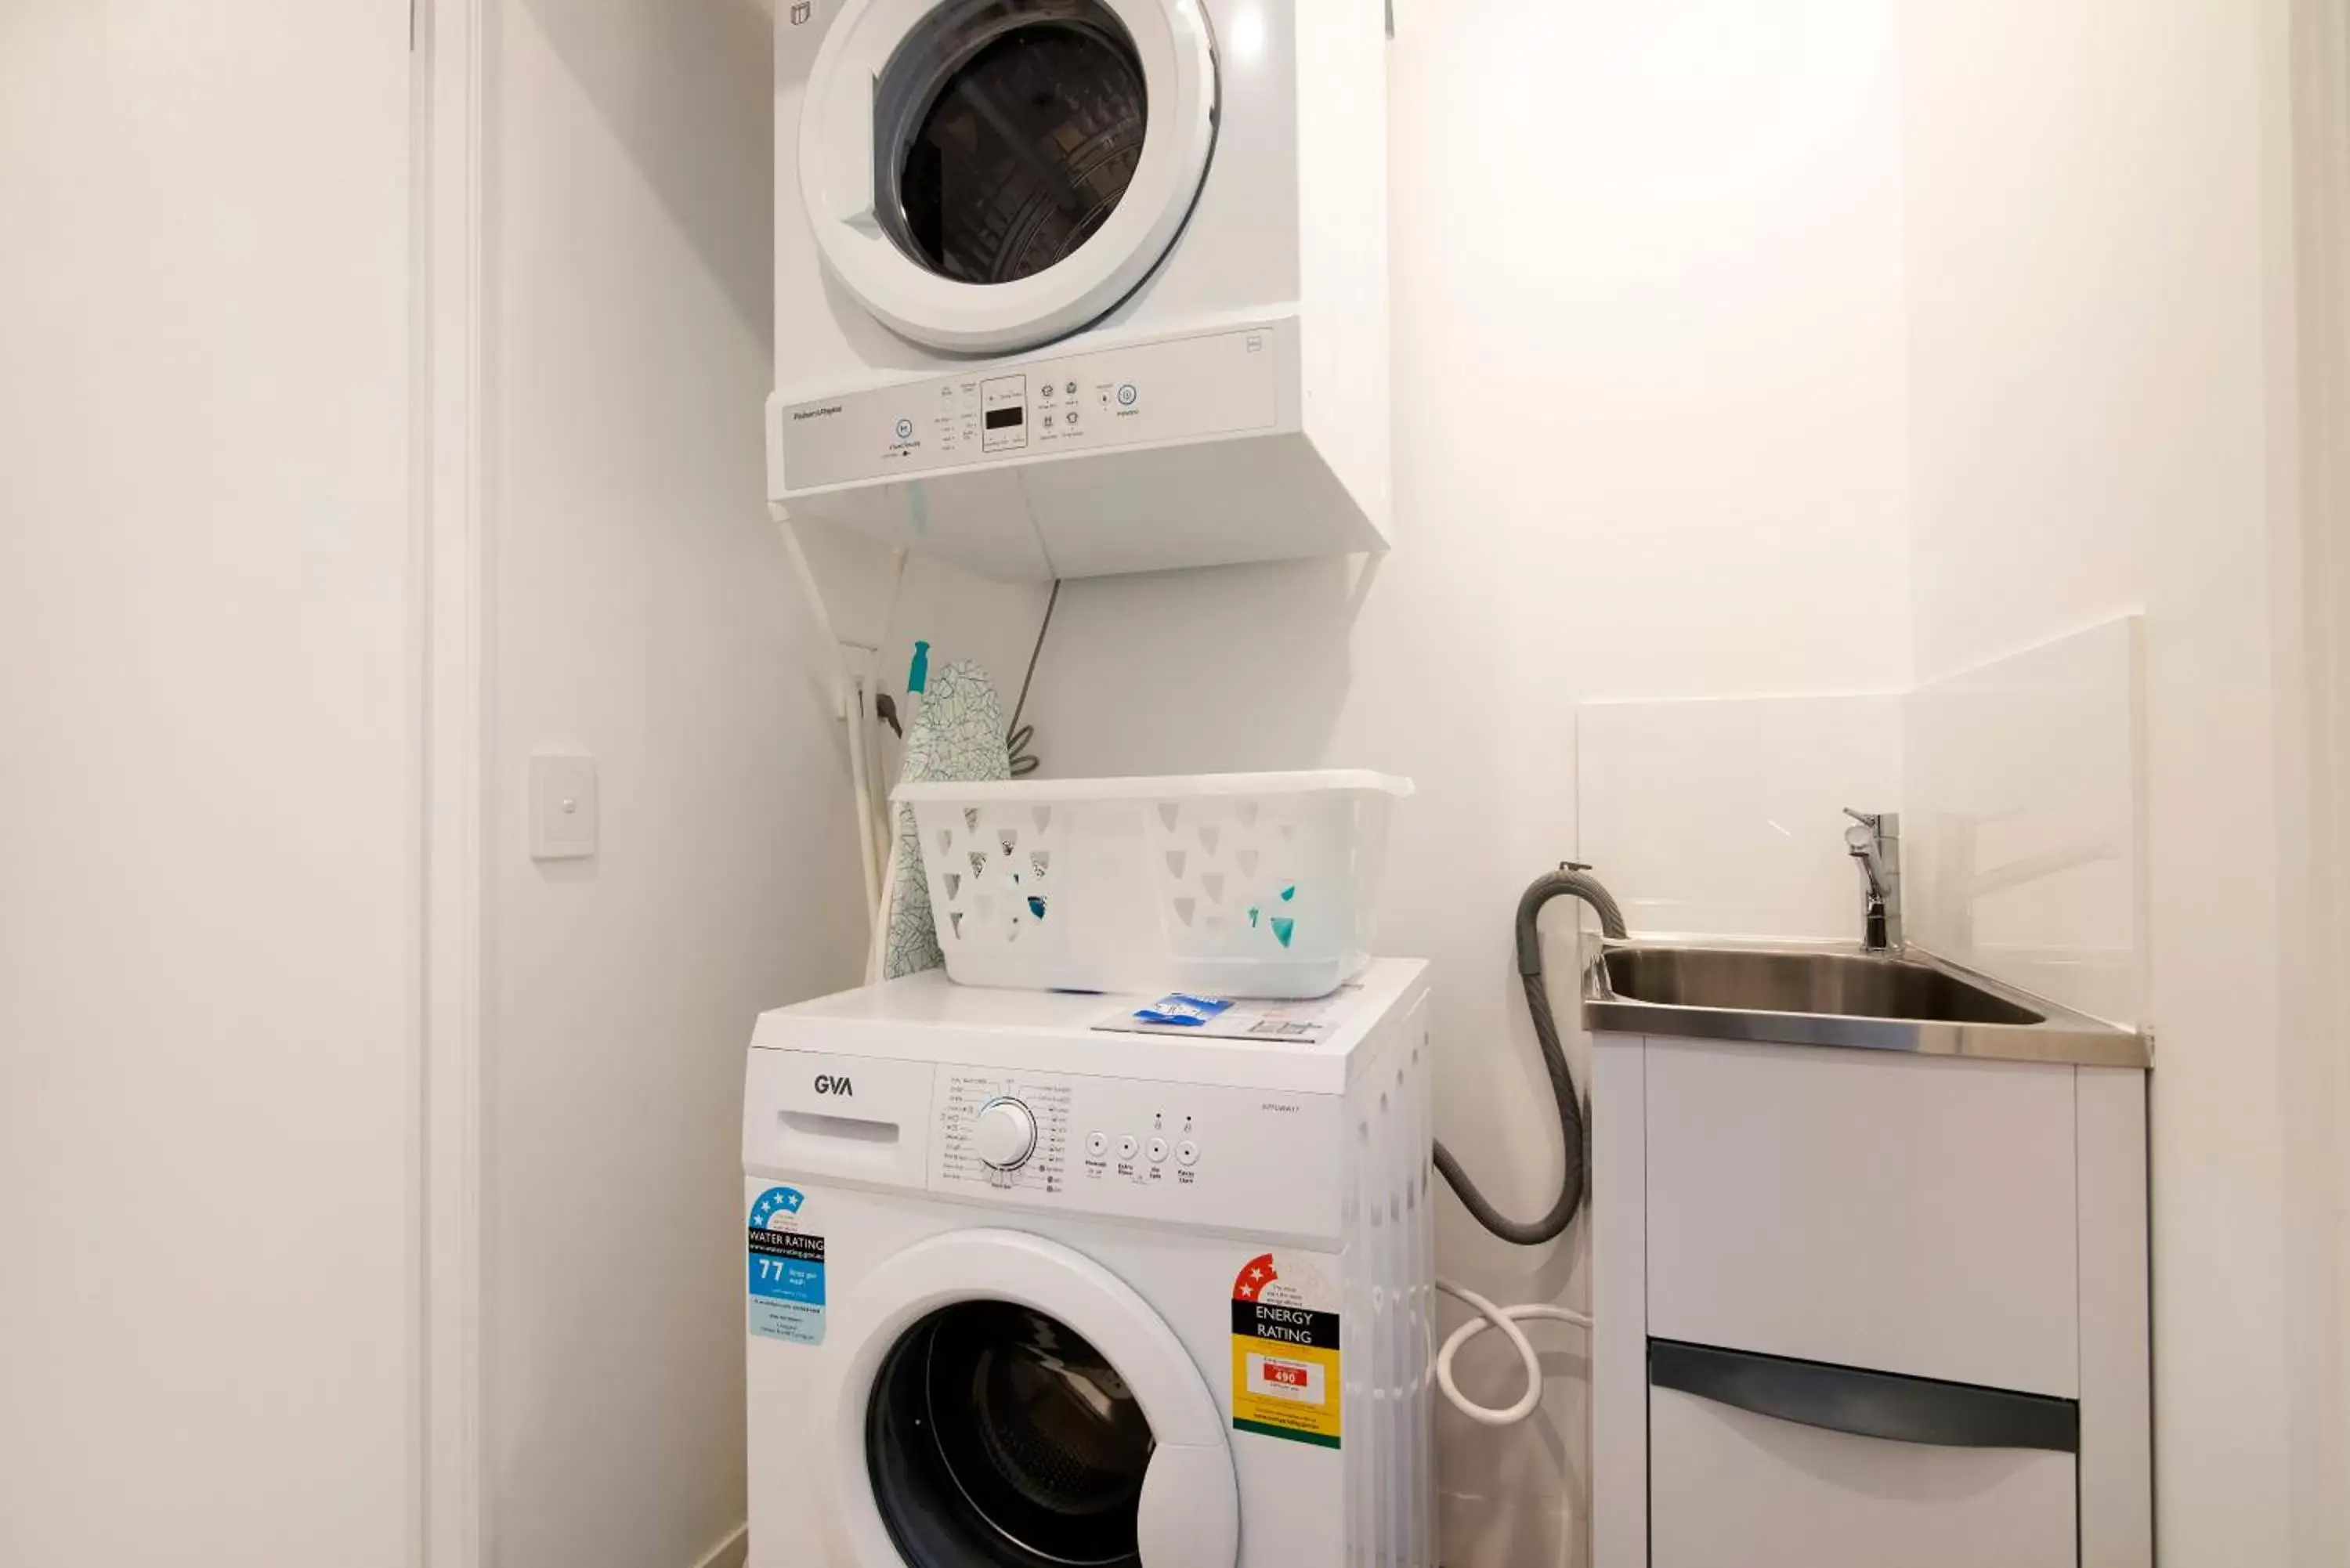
2310 478
447 424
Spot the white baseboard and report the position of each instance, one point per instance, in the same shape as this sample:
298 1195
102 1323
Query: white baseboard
733 1552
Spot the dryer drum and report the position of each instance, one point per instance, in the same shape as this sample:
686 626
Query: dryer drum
1006 133
997 1435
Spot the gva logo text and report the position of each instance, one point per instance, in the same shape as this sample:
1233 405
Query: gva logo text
825 1083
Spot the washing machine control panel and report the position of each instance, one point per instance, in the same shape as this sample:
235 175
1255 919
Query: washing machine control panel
1177 388
1001 1130
1201 1153
1004 1133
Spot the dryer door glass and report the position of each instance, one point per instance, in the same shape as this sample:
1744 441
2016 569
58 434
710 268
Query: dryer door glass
997 1435
1006 133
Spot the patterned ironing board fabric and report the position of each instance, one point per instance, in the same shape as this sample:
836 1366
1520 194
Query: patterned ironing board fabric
957 736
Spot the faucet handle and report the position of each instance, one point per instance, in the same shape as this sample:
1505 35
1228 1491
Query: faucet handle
1871 820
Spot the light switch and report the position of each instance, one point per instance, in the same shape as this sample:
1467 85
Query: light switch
562 807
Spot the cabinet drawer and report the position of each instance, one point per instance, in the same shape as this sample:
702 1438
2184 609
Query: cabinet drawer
1911 1214
1731 1486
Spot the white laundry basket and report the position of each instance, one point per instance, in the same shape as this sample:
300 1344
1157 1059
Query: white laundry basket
1239 885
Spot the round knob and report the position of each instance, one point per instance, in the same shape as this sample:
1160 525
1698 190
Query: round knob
1004 1132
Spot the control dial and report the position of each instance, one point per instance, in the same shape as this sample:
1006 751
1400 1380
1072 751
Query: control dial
1004 1133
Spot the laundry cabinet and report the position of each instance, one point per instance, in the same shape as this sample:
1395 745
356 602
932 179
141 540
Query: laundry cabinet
1862 1308
1729 1485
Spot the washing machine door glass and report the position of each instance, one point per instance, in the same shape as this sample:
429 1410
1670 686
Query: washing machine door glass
1007 1402
998 1435
1006 135
992 174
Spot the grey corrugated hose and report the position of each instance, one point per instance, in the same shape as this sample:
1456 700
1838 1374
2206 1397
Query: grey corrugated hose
1569 881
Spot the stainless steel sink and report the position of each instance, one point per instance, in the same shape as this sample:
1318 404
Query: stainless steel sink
1846 984
1805 994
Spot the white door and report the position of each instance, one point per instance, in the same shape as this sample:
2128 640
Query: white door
987 175
209 785
1010 1403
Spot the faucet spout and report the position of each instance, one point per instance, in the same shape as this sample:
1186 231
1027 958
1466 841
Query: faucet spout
1874 842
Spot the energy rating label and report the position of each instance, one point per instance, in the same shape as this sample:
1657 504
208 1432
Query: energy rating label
1286 1380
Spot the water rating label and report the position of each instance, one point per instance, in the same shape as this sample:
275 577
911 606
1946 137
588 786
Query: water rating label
786 1262
1285 1381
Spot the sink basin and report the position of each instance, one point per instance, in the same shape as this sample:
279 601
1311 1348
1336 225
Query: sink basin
1795 993
1850 985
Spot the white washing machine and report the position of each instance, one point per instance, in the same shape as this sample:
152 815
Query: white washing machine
1027 1292
1066 287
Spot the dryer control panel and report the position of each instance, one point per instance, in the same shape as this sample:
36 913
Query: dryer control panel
1176 388
1167 1152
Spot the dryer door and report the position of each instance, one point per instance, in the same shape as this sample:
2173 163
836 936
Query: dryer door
987 175
1009 1403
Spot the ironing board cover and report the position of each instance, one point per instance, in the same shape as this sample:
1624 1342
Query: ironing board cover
958 736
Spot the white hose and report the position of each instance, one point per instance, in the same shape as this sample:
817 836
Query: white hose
1506 1319
876 948
885 909
863 791
876 766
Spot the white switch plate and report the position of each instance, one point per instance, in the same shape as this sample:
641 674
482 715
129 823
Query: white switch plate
562 808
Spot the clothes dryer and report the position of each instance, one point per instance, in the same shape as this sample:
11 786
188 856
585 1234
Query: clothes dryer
1066 287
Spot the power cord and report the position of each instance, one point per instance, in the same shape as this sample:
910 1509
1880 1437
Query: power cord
1016 740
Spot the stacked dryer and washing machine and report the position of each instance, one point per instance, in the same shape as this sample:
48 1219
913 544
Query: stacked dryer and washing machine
1065 288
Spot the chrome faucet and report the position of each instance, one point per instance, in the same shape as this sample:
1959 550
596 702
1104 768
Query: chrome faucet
1875 841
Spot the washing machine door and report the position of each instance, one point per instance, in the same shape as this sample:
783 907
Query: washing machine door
1010 1404
987 175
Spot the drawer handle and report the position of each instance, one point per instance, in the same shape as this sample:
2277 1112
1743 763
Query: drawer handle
854 1129
1866 1404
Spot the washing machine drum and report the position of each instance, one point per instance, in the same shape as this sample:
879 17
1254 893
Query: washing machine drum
991 174
997 1435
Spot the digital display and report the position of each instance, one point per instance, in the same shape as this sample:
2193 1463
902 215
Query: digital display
1005 418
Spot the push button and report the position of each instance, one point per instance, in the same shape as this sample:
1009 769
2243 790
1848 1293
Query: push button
1187 1153
1126 1146
1158 1151
1097 1144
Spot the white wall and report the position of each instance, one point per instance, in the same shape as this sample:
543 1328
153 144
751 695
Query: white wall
1648 443
209 774
2022 850
642 613
1727 816
2100 274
